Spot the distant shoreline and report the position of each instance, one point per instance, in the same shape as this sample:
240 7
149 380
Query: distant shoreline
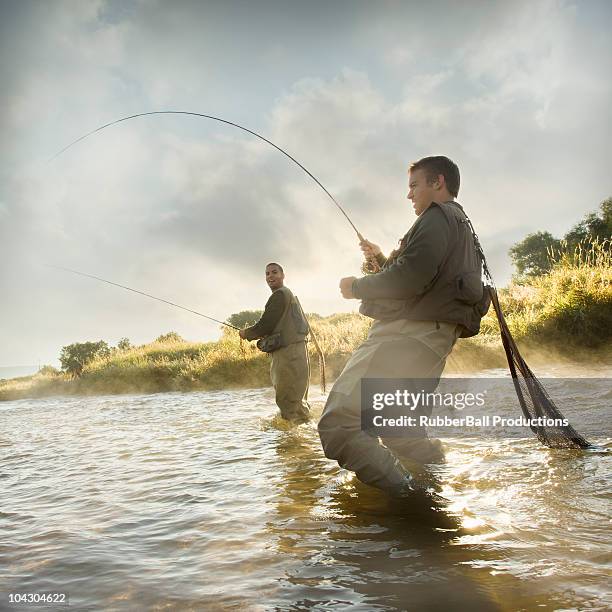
228 364
562 316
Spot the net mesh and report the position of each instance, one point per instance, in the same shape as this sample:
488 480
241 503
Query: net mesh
533 398
535 402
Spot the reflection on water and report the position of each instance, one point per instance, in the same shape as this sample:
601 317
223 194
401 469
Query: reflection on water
201 500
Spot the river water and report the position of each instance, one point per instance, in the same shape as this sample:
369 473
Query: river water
207 501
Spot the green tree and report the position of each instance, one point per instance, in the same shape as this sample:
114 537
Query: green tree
531 256
606 214
246 318
124 344
169 337
74 357
594 227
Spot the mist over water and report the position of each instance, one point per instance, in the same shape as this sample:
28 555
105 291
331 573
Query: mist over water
206 500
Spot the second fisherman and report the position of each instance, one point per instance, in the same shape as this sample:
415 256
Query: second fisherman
282 331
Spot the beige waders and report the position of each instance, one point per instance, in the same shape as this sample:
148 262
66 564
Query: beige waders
394 349
290 373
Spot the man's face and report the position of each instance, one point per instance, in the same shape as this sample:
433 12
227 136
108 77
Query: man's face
274 277
420 192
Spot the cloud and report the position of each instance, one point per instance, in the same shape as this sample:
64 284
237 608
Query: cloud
192 210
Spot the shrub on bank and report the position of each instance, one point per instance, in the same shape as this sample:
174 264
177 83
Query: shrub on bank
569 307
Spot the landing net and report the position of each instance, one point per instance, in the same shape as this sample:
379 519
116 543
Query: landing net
535 402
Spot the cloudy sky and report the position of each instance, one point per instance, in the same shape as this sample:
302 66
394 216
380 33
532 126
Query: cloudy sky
517 93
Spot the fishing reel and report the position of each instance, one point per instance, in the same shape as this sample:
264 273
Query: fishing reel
370 266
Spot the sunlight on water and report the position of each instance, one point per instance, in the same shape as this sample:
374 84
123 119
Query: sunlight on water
204 500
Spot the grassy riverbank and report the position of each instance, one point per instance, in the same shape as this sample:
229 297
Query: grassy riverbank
566 313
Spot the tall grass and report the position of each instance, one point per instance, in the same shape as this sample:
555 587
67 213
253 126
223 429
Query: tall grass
568 308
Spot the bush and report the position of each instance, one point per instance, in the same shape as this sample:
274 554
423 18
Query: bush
124 344
536 253
571 304
243 319
531 256
48 370
169 337
75 357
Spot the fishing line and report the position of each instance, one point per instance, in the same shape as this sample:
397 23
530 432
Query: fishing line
533 398
236 125
142 293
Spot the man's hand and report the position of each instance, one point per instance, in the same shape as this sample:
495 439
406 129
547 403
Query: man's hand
346 287
242 333
369 248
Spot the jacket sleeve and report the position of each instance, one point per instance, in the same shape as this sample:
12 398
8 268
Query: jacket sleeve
275 306
416 267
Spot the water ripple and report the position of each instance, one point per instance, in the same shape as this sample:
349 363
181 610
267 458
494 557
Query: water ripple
206 500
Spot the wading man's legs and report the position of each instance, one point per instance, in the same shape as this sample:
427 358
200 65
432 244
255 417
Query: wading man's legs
290 373
397 349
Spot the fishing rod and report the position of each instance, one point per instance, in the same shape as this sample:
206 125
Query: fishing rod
142 293
236 125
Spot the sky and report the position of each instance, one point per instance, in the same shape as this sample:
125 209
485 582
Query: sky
190 210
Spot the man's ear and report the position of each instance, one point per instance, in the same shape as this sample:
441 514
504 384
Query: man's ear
439 182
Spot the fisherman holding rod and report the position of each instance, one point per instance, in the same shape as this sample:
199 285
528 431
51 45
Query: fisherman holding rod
432 279
282 330
428 293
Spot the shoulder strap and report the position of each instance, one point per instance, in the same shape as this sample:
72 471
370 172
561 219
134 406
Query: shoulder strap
478 246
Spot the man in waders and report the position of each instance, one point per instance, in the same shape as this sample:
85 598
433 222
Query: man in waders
283 330
427 294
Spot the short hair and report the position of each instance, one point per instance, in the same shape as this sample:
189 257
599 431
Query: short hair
436 165
273 263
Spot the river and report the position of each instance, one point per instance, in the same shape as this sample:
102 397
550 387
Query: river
206 501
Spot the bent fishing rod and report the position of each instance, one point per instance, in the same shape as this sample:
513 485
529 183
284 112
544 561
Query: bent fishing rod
143 293
225 121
